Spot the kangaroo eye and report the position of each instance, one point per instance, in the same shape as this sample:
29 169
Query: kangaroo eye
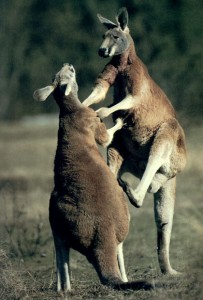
115 37
103 36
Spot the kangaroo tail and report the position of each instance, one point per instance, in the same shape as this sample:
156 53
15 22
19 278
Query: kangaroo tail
134 285
108 271
118 284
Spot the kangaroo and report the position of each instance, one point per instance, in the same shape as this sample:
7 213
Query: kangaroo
151 143
88 210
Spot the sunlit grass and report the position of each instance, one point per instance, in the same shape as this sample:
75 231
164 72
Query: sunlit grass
26 179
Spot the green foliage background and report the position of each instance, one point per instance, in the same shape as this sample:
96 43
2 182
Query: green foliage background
37 37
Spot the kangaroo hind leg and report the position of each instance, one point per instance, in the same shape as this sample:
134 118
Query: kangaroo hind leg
163 210
62 264
159 156
121 263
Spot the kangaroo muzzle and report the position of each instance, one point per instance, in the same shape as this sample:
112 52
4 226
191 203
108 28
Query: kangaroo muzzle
106 52
103 52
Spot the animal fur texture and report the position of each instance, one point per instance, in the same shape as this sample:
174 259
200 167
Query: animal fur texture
151 144
88 210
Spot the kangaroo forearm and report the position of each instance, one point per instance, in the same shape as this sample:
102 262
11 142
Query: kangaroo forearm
98 94
102 85
127 103
101 134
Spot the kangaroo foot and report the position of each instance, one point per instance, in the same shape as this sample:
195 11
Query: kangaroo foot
172 272
63 295
134 196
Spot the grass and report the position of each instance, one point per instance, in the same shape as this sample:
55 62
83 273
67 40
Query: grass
27 263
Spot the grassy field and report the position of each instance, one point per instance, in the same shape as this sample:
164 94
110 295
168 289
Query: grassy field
27 266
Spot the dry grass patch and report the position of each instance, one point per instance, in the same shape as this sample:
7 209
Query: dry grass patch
27 266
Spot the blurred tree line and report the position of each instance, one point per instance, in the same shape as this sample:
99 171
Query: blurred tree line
38 36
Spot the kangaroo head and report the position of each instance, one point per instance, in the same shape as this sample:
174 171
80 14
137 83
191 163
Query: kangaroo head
116 39
63 83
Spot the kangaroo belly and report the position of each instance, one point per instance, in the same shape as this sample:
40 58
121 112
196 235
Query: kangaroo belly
129 146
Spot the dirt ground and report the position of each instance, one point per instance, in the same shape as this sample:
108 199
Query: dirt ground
27 263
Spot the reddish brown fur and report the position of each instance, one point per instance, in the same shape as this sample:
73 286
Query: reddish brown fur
88 210
127 71
151 145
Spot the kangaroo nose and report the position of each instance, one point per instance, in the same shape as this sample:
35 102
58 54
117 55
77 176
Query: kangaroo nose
103 52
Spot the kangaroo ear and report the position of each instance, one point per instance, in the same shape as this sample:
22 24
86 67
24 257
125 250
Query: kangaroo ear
107 23
122 18
43 94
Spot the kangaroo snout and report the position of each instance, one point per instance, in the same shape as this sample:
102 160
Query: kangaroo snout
103 52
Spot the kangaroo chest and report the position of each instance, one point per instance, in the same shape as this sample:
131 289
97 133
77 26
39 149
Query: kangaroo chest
120 87
139 119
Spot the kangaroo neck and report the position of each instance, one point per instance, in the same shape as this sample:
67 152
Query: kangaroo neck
69 104
121 61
